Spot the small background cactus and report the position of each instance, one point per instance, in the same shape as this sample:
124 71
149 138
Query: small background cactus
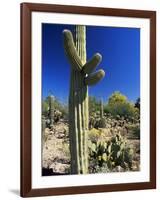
102 121
51 109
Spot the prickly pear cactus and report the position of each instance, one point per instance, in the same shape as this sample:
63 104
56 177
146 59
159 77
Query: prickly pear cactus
82 76
114 152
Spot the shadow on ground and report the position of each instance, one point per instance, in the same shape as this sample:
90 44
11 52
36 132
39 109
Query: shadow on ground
49 172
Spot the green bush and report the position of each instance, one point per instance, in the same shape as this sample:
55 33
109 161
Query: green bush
94 135
134 129
119 105
94 106
45 108
63 108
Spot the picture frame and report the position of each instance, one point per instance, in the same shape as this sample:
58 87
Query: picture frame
27 106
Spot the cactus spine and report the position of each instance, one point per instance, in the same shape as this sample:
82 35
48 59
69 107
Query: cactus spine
81 77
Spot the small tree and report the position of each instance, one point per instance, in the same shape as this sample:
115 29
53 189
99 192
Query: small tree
118 104
117 98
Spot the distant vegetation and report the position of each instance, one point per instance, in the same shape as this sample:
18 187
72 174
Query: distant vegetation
117 105
63 108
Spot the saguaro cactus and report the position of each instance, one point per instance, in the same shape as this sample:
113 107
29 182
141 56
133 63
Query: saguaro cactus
43 123
51 109
102 121
101 108
81 78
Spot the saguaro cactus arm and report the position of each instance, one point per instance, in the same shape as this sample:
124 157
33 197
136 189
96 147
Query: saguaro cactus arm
92 64
76 63
95 77
70 50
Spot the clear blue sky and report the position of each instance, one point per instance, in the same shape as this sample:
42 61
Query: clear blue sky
120 50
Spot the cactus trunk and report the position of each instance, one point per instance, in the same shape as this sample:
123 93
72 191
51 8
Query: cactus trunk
78 110
81 77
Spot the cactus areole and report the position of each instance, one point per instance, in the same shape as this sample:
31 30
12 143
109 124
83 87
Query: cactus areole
82 76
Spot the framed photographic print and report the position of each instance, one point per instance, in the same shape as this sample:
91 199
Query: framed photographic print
88 99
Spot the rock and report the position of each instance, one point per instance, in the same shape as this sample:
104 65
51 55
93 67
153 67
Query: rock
107 132
51 132
59 168
118 169
61 130
56 148
135 166
108 126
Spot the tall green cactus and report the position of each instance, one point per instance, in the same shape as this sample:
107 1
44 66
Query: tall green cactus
51 109
43 123
102 121
101 108
81 78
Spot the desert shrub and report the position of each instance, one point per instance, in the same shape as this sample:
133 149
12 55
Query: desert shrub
134 129
92 122
95 168
117 97
118 105
94 134
102 123
45 108
123 109
61 107
112 153
93 105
